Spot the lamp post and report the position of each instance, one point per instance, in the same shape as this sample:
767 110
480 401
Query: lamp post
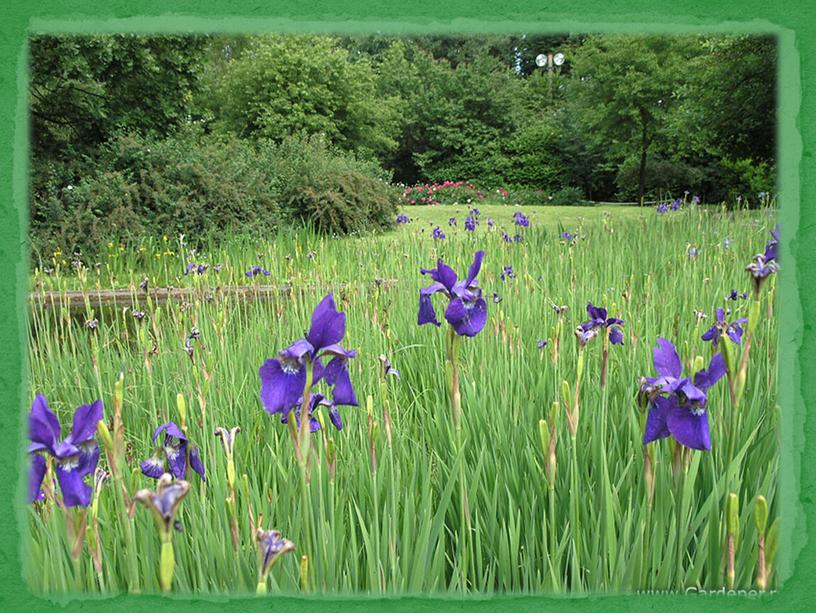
550 61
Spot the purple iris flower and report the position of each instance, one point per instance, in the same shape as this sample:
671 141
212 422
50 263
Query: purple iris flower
682 414
675 206
506 237
452 221
76 455
662 208
467 310
172 456
693 252
496 298
198 269
490 222
283 379
695 199
437 233
517 238
521 220
567 236
402 218
541 343
733 330
772 245
256 270
761 268
507 273
470 224
727 243
598 319
474 212
734 295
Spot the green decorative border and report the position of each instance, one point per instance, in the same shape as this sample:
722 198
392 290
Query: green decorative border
792 21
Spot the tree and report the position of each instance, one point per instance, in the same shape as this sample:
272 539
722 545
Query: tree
624 89
283 85
85 88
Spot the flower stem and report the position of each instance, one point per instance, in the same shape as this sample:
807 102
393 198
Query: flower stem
168 562
574 516
456 415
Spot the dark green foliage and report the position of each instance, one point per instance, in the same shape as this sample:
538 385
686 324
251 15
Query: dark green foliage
138 134
332 192
208 187
567 196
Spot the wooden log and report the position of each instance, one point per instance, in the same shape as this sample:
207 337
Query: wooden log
74 299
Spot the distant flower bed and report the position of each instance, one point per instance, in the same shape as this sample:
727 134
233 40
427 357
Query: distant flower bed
448 192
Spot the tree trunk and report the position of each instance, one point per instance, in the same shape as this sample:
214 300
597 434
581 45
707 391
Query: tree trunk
642 169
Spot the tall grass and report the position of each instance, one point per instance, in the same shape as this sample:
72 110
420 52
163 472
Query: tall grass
390 518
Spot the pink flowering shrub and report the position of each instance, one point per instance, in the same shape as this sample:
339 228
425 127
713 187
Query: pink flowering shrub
447 192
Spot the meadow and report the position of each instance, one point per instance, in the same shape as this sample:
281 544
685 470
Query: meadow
544 483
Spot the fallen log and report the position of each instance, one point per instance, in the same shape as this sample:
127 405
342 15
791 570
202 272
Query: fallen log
127 297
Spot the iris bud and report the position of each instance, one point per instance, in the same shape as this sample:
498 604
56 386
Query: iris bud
181 405
761 514
544 434
732 516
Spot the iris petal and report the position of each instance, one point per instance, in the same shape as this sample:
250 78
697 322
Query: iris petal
177 460
281 387
75 492
442 274
427 314
474 267
467 318
153 467
35 478
85 419
337 375
43 426
171 429
690 429
666 360
656 427
716 371
196 464
328 325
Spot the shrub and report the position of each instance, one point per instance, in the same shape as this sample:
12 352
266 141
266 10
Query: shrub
567 196
662 176
445 192
207 186
334 192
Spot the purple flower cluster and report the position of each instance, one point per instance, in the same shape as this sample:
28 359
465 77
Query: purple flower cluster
467 310
76 455
198 269
437 234
284 379
733 329
765 264
173 455
256 270
598 322
402 218
521 220
677 404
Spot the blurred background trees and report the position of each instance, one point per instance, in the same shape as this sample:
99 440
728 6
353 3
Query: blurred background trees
125 127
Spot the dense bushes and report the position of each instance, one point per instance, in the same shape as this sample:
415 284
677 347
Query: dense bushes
209 186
